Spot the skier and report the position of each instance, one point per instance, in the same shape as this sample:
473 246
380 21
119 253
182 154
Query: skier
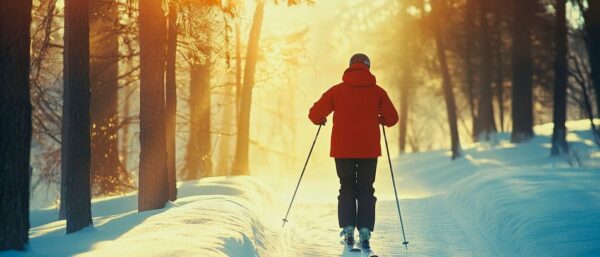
359 105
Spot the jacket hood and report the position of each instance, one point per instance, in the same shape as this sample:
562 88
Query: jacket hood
358 75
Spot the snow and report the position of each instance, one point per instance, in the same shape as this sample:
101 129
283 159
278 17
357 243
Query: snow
500 199
213 217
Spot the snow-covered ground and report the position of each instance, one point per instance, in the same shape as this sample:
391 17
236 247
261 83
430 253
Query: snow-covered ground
499 199
212 217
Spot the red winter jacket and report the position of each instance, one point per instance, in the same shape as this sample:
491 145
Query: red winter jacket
357 104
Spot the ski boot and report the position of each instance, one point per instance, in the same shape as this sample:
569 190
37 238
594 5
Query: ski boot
364 234
348 234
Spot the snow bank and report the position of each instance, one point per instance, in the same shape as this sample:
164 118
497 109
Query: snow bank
212 217
522 201
533 212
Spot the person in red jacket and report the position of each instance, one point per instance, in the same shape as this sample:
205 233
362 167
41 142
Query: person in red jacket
359 105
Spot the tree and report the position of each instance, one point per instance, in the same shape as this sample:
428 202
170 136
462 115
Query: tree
499 74
578 75
559 141
437 11
198 154
498 14
522 111
592 39
171 99
469 10
241 165
75 144
231 111
153 186
410 59
238 68
198 159
129 81
485 112
15 128
405 90
108 174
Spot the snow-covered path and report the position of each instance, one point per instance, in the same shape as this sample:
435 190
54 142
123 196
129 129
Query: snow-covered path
499 199
432 227
434 231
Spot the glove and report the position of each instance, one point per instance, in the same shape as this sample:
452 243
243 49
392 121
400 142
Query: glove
323 122
381 120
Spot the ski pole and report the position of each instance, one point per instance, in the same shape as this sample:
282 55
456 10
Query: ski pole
301 175
405 243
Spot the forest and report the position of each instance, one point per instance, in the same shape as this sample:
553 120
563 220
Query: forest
106 98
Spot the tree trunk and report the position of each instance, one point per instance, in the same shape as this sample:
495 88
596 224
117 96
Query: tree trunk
590 113
592 29
241 166
75 140
153 186
522 99
469 10
15 128
224 162
238 82
107 173
224 141
485 109
500 80
198 159
171 100
559 141
238 69
405 88
125 137
447 82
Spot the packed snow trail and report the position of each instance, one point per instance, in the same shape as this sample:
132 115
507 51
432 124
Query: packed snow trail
434 232
431 228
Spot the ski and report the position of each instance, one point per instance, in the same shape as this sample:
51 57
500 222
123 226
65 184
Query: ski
350 248
368 252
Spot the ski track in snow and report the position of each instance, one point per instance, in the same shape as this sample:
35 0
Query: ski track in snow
431 231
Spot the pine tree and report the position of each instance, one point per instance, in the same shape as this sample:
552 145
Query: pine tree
405 91
559 141
171 99
15 125
592 31
485 112
198 159
437 11
522 99
75 143
469 45
241 164
153 183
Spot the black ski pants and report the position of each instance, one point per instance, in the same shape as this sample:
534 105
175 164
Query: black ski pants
357 176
